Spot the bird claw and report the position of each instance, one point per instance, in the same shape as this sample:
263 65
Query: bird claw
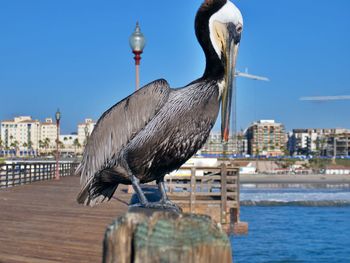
163 205
171 206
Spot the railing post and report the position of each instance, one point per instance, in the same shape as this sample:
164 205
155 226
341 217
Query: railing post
30 173
46 175
193 189
223 193
238 187
7 176
20 173
13 174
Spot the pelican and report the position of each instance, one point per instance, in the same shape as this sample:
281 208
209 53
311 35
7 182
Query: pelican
157 129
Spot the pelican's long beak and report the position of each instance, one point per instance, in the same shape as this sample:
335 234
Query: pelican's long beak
230 51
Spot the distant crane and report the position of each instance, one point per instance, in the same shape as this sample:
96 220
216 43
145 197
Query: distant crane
247 75
325 98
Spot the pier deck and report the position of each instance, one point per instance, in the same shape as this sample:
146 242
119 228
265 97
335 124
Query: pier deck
41 222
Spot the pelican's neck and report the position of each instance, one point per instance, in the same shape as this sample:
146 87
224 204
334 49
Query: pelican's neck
214 69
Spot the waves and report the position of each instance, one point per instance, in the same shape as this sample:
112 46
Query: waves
305 203
296 197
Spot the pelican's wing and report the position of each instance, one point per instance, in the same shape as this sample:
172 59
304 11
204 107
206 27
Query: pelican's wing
118 125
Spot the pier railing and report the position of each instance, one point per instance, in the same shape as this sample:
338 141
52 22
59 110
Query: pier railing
25 173
208 190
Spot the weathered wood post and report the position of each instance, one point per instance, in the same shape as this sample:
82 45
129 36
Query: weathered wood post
223 193
193 189
151 236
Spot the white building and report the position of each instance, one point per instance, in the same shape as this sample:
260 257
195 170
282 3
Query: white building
337 170
21 134
318 141
24 136
48 134
84 130
68 143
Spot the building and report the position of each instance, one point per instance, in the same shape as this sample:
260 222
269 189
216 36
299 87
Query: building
215 146
337 170
338 143
48 135
321 142
84 130
266 137
69 143
20 135
25 136
305 141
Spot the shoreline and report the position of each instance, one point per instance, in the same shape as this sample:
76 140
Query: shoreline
295 179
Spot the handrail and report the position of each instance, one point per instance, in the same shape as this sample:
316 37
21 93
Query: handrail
212 185
25 173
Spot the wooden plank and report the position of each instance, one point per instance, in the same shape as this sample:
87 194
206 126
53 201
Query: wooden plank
41 222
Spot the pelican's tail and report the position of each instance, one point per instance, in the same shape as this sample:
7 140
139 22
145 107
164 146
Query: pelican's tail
101 188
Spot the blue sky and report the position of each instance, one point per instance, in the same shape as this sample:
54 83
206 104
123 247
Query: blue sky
75 55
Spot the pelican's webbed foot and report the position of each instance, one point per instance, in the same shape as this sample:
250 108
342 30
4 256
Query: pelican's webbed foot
164 203
165 200
170 206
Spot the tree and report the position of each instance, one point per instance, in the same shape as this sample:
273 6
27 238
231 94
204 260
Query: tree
14 145
30 145
76 145
46 144
60 145
41 145
285 151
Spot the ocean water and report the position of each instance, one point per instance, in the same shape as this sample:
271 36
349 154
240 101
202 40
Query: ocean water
294 225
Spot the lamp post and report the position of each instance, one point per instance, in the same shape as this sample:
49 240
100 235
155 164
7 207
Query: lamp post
58 117
86 130
137 43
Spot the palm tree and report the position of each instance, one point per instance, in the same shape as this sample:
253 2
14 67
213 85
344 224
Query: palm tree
41 145
11 138
60 144
14 145
76 145
30 145
1 145
46 144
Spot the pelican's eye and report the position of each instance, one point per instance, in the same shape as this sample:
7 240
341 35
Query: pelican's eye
239 28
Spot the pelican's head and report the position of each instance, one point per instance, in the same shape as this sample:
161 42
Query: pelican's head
219 25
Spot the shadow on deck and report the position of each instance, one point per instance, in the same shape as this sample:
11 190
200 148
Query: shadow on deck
42 222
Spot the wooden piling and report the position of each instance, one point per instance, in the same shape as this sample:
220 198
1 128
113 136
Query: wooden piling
163 236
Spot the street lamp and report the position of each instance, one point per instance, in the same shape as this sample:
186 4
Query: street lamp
137 43
58 117
86 130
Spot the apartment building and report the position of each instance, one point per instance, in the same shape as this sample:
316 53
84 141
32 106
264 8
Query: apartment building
319 142
25 136
266 137
214 145
48 134
84 130
21 133
338 144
